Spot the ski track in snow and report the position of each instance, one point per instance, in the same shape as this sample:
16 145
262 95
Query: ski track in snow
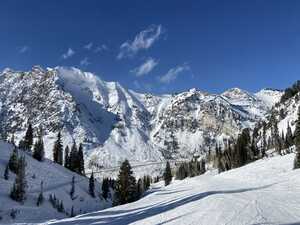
264 192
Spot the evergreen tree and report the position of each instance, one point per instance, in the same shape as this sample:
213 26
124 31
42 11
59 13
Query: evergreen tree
72 191
80 159
146 182
167 174
61 207
13 161
6 172
73 158
289 137
67 157
125 191
58 150
38 150
18 192
140 188
297 131
217 149
28 139
254 149
242 150
202 166
282 139
72 212
92 185
264 140
40 199
181 172
297 142
12 140
277 138
105 188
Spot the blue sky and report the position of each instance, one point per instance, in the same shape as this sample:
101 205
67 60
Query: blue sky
158 46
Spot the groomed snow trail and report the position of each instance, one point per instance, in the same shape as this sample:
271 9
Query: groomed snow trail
264 192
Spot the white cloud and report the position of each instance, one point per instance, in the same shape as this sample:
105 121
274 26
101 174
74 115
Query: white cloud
85 62
88 46
143 40
24 49
137 84
101 48
68 54
173 73
145 68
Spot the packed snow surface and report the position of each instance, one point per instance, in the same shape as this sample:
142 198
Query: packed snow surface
264 192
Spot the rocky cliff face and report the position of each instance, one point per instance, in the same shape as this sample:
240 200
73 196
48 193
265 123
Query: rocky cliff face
115 123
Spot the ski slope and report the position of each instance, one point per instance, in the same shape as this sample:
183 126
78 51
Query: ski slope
264 192
56 180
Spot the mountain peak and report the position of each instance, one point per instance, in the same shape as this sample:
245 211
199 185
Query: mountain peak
237 94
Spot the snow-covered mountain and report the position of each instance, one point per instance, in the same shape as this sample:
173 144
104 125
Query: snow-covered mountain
285 113
115 123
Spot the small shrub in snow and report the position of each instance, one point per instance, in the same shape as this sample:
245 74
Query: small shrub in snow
40 199
13 213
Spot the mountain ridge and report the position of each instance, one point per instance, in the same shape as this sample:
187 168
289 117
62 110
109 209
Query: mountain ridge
115 123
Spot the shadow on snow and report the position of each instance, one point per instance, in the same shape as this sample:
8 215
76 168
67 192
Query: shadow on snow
113 217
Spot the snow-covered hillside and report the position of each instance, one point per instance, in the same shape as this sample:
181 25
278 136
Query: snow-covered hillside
264 192
56 180
115 123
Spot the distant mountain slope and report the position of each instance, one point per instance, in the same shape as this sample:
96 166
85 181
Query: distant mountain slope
56 180
115 123
266 191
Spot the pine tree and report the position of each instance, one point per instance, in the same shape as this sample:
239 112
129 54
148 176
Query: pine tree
40 199
146 182
13 161
80 159
125 191
72 191
297 131
277 138
105 188
297 142
61 207
254 149
38 150
72 212
6 172
58 150
28 139
242 150
264 140
167 174
202 166
73 158
181 172
92 185
18 192
67 157
140 188
289 137
12 140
